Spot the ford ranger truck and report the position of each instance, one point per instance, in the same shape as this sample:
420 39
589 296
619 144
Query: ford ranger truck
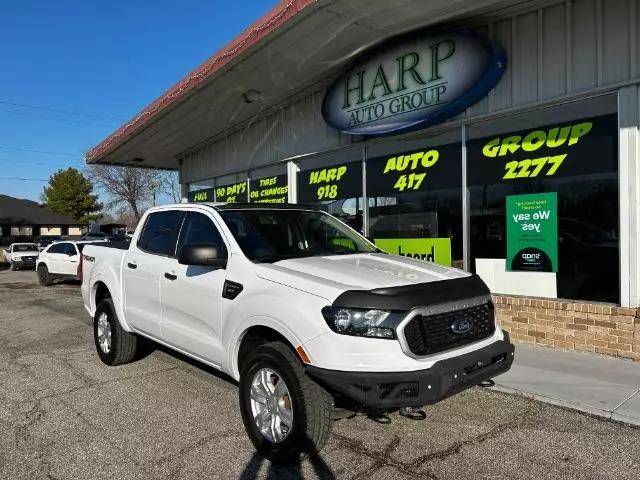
21 255
307 315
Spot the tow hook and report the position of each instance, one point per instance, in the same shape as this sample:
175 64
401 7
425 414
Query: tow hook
414 413
379 418
487 383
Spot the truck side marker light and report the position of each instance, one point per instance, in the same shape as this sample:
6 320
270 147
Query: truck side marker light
303 355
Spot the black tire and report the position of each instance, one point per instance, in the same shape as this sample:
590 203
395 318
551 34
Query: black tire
13 267
312 406
43 275
123 344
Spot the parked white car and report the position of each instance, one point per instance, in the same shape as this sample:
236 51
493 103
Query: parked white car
60 260
21 255
303 311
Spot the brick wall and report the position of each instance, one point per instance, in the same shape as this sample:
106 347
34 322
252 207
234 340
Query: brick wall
590 327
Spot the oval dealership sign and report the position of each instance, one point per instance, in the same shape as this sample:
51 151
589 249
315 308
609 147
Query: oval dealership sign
421 79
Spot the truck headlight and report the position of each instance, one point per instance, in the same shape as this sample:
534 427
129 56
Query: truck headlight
15 259
361 323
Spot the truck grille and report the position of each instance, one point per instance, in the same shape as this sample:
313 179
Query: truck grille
429 334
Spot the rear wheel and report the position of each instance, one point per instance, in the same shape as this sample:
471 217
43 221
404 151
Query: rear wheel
115 345
285 413
43 275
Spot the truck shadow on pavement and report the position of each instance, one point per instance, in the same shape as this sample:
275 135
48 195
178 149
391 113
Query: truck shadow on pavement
287 470
148 347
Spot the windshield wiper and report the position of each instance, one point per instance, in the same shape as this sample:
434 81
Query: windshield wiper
275 258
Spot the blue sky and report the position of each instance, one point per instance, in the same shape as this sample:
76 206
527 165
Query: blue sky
91 65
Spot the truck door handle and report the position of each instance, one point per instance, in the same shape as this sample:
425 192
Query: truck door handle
132 266
170 276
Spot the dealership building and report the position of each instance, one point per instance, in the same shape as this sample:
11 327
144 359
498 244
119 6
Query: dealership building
500 137
25 221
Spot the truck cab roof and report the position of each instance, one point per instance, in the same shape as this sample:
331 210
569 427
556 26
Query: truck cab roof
260 206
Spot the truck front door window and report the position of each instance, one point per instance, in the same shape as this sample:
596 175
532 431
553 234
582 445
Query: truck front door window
198 229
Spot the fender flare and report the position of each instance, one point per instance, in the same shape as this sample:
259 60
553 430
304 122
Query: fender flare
101 278
239 332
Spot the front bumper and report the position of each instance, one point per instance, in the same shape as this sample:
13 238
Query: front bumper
23 262
387 390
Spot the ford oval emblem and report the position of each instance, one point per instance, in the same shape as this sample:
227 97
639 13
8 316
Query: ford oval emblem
461 326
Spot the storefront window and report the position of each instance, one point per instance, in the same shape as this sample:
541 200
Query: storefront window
544 201
269 185
415 200
334 183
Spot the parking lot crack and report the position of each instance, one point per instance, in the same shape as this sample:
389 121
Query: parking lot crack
33 415
174 459
381 459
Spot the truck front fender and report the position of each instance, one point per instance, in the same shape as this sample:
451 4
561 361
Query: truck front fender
241 330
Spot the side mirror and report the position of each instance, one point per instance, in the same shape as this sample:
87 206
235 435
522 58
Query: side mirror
211 255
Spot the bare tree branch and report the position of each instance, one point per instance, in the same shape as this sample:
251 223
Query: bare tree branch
127 189
168 184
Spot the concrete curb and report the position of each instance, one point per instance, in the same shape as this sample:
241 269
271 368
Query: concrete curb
606 414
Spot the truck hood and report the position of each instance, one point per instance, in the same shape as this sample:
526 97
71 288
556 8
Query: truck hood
329 276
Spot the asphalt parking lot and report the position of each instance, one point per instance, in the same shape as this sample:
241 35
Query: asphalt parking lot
64 415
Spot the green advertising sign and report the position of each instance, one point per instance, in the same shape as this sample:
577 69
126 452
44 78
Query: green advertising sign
330 183
437 250
273 189
204 195
415 170
532 232
565 149
232 193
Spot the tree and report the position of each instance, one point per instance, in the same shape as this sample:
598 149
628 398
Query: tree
169 185
70 193
127 188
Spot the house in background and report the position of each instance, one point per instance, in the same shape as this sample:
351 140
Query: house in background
25 220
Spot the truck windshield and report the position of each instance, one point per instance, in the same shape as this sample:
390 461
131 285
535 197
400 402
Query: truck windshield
25 248
273 235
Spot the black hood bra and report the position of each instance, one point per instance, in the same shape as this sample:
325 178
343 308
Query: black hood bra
406 297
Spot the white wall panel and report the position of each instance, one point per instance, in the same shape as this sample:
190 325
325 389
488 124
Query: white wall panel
557 49
615 41
524 60
553 65
583 45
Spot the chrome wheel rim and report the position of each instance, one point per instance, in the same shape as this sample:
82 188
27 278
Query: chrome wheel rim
271 405
104 333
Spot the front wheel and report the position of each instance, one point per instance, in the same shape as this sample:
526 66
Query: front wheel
13 267
285 413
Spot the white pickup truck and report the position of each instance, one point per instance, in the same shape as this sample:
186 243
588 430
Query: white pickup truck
21 255
309 316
